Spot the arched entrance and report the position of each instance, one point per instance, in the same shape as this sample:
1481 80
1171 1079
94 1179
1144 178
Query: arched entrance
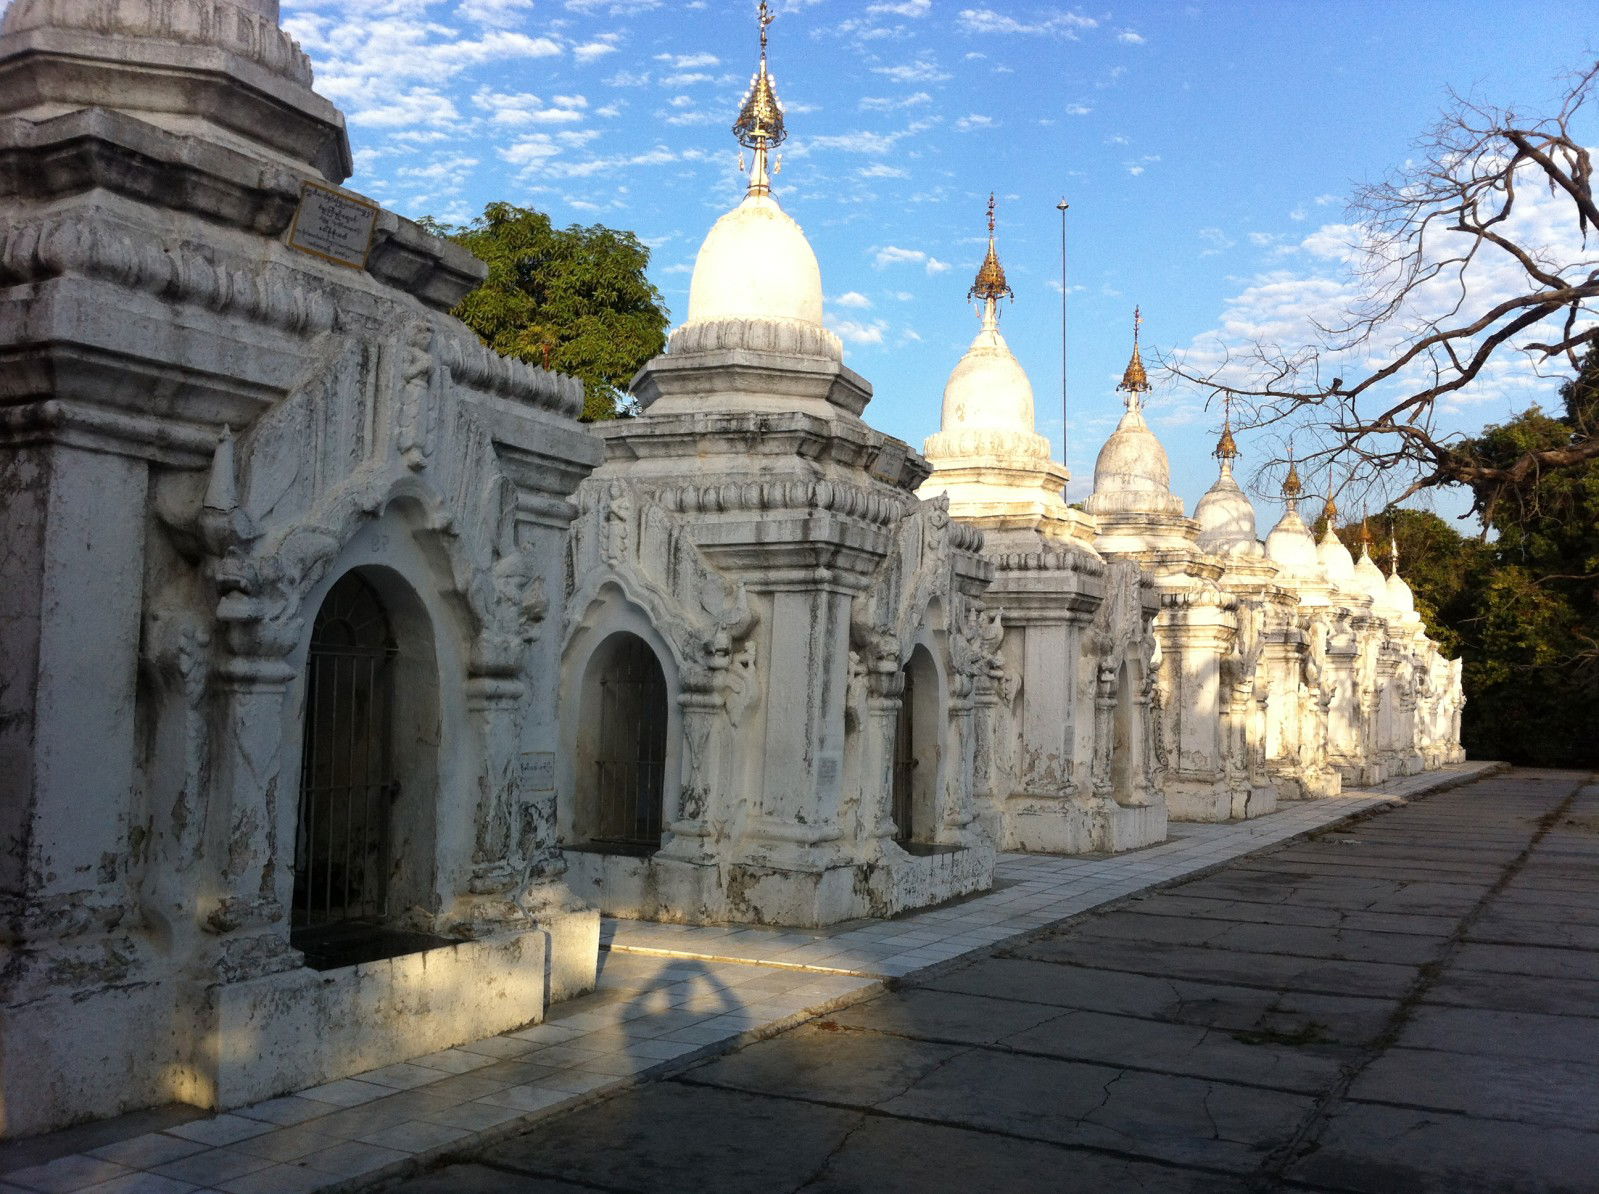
347 776
1121 742
916 751
622 748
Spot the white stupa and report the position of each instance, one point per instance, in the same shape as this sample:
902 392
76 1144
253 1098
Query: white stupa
1132 497
1292 547
1225 515
756 294
1400 598
1369 578
987 455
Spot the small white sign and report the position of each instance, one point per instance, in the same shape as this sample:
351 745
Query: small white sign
333 226
889 462
540 773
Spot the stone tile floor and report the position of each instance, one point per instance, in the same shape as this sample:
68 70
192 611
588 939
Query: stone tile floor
669 997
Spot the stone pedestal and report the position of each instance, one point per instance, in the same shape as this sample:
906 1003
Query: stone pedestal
764 543
202 430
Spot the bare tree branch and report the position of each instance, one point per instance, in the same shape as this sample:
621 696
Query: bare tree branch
1448 213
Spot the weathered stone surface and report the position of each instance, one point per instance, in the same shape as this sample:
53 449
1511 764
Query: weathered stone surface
670 1136
1346 1020
1208 965
946 1016
1185 1120
860 1069
1535 1090
480 1179
1377 1150
1503 1033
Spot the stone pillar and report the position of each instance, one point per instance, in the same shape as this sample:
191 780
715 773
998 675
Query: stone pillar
801 751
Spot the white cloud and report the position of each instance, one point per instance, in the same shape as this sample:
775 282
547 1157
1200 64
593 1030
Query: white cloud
853 332
852 298
903 8
882 170
1078 109
494 12
1130 38
967 123
590 51
878 103
922 70
1062 24
1305 303
894 255
688 61
513 109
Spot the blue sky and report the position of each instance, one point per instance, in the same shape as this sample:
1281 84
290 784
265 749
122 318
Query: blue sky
1207 151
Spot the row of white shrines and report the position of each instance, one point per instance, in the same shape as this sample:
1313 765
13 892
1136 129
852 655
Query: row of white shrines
347 677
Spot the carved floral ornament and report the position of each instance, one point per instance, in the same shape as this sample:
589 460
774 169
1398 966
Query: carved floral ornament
647 551
262 571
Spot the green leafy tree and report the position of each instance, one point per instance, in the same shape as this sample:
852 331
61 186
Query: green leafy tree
1521 607
571 299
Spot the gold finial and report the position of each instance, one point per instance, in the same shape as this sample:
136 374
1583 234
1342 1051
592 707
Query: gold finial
1227 446
760 126
990 285
1292 486
1330 510
1135 381
1365 535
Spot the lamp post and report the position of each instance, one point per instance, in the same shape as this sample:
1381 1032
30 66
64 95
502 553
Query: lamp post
1062 207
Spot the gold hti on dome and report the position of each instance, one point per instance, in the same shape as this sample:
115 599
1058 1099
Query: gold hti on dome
1135 381
1292 487
991 285
760 121
1227 446
1330 510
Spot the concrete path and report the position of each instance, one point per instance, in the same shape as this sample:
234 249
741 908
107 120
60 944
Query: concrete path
1410 1003
670 997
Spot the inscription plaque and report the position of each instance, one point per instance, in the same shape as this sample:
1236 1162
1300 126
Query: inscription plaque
539 770
333 226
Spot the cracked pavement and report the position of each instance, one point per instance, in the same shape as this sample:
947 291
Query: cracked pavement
1406 1002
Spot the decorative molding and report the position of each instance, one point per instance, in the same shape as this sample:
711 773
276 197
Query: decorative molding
218 23
70 245
776 336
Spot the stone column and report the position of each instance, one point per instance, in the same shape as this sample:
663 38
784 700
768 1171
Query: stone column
801 751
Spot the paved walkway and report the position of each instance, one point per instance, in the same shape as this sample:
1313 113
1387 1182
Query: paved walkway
674 997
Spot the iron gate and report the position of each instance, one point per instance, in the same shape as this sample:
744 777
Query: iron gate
347 787
631 767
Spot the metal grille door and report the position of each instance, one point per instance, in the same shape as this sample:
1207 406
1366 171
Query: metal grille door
904 762
341 856
631 767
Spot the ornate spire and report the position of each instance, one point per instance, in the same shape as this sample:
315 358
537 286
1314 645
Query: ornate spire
1292 486
1135 381
990 285
1227 446
1393 547
760 126
1365 537
1330 510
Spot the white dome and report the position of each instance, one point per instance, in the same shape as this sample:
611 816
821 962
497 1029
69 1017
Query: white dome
1291 546
1370 580
1226 519
1335 558
1133 474
1399 594
988 389
756 264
